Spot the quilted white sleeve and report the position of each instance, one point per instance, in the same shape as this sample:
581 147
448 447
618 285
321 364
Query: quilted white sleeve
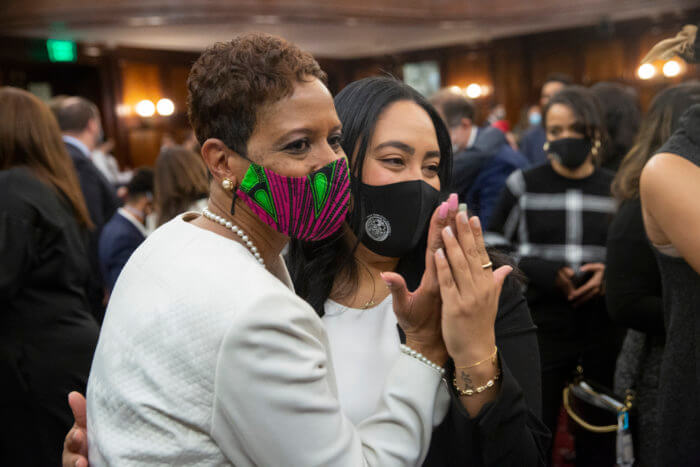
275 401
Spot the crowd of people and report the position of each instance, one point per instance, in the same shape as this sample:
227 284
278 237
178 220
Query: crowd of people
366 279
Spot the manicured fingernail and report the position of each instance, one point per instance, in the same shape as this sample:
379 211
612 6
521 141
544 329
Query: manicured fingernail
462 207
448 231
475 222
440 253
452 202
462 217
442 212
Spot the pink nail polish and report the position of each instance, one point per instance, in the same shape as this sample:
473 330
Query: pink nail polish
442 212
453 202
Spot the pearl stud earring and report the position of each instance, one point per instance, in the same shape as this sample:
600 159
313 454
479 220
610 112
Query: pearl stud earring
227 184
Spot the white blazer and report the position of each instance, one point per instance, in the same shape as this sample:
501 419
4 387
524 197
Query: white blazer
205 358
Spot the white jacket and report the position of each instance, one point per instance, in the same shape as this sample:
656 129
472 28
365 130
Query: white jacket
205 358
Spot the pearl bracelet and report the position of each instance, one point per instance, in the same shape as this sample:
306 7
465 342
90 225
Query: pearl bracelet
412 353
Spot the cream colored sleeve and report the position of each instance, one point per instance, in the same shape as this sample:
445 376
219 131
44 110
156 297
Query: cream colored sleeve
275 401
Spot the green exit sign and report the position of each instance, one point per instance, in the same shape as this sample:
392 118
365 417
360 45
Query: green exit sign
61 51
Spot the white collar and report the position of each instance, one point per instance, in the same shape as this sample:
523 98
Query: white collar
131 218
472 136
77 143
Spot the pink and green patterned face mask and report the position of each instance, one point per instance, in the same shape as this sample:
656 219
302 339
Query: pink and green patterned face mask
306 208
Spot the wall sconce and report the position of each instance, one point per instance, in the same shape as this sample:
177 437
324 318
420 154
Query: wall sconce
473 91
671 69
646 71
165 107
145 108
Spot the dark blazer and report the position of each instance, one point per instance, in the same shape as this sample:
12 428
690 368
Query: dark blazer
480 172
118 241
532 146
100 197
102 203
47 331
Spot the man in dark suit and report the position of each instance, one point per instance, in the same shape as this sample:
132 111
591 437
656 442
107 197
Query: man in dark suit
79 121
532 142
483 158
126 229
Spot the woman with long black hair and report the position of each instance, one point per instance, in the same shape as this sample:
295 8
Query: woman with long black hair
400 160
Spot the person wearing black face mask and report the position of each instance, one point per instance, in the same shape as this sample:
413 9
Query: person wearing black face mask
400 158
556 218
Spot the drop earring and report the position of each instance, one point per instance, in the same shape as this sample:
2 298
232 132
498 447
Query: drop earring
228 185
546 146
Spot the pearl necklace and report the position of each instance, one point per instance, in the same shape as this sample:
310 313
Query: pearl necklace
237 230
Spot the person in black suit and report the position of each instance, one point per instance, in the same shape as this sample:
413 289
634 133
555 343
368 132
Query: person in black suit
79 121
126 229
47 332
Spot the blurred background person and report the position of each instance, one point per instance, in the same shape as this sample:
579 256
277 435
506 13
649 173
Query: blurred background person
622 116
670 190
181 184
483 158
530 117
556 217
633 281
107 164
79 120
532 142
47 332
127 228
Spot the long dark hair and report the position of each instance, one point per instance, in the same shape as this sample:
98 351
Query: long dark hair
314 266
658 125
622 118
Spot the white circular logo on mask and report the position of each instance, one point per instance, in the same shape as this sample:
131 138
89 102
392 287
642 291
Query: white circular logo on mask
377 227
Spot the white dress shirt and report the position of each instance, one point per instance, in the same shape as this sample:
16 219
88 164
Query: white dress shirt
205 358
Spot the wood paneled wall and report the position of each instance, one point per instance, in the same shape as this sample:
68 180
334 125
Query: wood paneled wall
514 68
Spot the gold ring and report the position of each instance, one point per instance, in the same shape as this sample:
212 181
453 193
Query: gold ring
487 265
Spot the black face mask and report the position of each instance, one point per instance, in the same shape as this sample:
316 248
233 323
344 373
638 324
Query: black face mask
394 217
570 152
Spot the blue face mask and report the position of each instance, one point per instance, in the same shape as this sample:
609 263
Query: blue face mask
535 118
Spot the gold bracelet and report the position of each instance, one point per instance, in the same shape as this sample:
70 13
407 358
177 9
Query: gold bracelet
492 357
470 391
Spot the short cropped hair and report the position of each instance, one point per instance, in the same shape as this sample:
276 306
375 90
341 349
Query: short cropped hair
73 113
230 81
453 107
